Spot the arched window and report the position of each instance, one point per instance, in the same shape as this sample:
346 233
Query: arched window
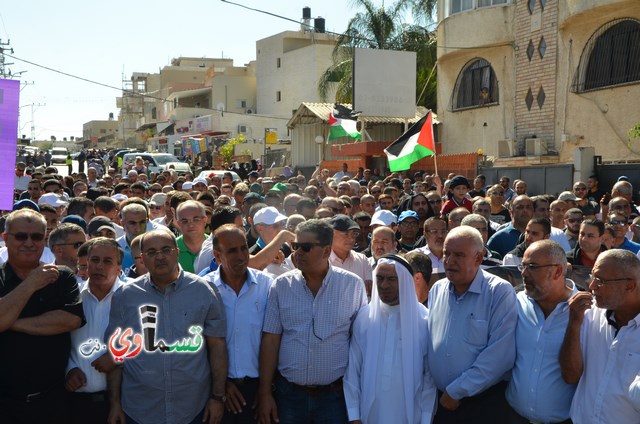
611 57
476 86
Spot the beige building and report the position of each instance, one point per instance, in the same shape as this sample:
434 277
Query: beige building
529 81
289 65
100 134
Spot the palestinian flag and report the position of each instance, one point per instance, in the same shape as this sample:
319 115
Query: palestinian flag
342 124
410 147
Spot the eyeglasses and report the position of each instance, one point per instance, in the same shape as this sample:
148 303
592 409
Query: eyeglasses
574 220
351 234
166 251
532 267
617 222
434 232
600 282
75 245
306 247
25 236
195 220
376 191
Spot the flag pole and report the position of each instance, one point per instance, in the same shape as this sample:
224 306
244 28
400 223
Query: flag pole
435 154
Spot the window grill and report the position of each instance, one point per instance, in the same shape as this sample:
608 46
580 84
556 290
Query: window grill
476 86
611 57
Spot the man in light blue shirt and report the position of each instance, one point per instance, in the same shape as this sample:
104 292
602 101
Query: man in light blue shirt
244 294
472 321
537 392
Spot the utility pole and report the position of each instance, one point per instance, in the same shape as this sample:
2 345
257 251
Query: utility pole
5 72
33 122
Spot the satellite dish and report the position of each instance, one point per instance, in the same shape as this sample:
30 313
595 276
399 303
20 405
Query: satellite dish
249 111
220 107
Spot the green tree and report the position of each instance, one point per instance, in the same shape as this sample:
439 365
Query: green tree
384 28
227 150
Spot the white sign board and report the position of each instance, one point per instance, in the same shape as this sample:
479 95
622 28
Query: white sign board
384 83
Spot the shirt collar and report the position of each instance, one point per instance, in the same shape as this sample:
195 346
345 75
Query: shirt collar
217 277
177 283
116 285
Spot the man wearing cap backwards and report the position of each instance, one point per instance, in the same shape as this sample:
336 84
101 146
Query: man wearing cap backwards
472 322
388 378
345 233
39 306
310 311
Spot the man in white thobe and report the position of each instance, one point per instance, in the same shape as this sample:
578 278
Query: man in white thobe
387 379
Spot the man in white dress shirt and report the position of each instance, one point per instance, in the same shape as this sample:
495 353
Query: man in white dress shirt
601 348
89 360
387 378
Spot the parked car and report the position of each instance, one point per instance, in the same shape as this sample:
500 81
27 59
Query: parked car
180 167
157 161
219 173
59 155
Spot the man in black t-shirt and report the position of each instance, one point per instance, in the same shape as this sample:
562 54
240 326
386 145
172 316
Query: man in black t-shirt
39 306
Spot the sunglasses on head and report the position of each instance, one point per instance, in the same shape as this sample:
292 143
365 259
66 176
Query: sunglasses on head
306 247
25 236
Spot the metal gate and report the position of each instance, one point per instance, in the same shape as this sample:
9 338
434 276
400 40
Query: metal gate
548 179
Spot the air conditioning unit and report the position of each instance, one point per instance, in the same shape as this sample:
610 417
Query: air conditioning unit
535 147
242 129
507 148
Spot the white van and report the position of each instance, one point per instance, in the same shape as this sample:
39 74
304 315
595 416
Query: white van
157 161
59 155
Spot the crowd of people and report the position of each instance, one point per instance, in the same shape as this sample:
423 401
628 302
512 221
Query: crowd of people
364 297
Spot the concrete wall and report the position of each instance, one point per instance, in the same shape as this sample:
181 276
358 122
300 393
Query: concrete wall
303 58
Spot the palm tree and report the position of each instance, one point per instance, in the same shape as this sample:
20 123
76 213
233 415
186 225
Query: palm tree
382 28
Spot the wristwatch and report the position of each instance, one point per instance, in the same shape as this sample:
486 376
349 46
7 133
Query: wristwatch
219 398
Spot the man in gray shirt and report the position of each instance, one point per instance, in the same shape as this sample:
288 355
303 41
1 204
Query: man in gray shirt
157 326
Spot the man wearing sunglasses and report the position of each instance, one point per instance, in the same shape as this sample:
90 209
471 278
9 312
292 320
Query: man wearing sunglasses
39 305
602 341
619 223
572 220
306 334
64 242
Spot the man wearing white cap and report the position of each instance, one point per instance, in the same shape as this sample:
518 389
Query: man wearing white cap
385 218
157 206
200 184
387 378
54 200
268 223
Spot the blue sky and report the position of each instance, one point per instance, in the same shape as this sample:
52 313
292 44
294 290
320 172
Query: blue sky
102 41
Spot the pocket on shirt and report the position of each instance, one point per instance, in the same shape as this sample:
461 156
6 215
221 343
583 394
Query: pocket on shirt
476 332
630 367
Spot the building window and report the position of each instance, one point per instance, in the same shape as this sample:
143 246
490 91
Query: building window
103 130
278 96
611 57
476 86
277 62
154 113
457 6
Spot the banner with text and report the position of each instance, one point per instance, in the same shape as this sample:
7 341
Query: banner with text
9 99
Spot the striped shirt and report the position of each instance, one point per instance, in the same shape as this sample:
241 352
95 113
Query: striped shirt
315 330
